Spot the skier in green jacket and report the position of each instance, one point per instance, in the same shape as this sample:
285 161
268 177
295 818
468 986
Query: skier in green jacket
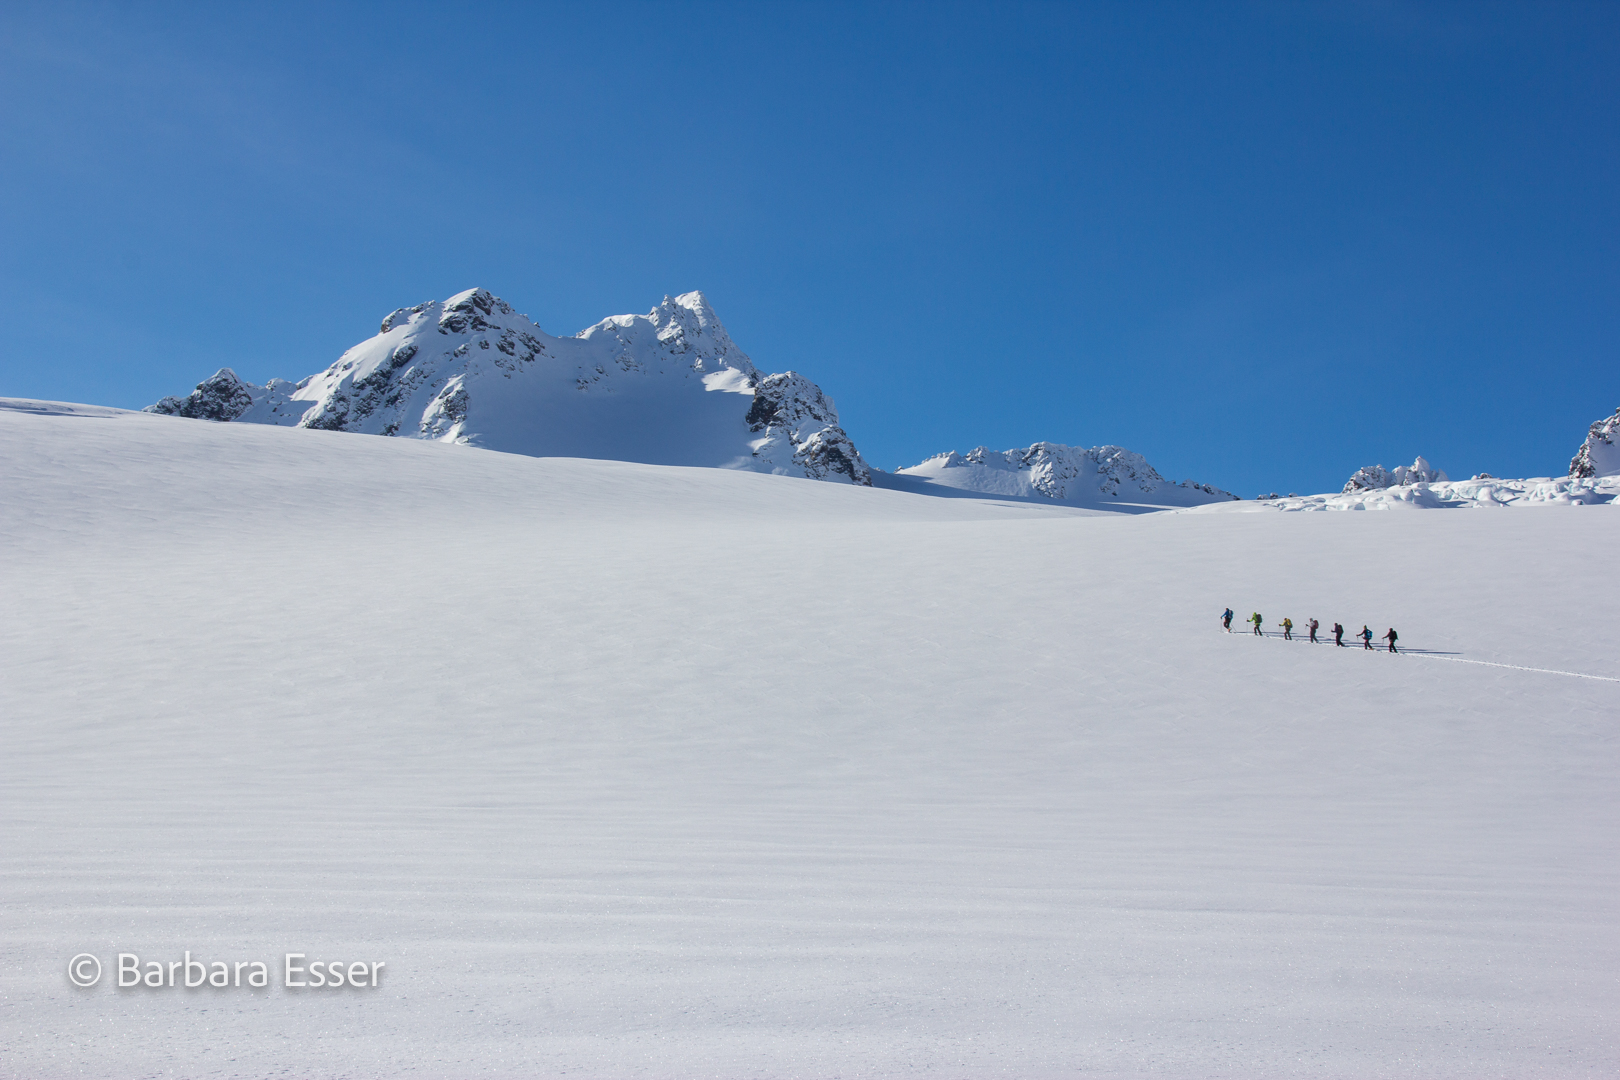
1257 619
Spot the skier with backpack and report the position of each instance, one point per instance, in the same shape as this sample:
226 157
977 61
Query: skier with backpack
1391 636
1338 635
1257 619
1313 625
1288 628
1366 637
1226 620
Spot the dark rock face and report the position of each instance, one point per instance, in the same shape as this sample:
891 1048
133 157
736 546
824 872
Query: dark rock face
221 398
761 412
466 316
331 415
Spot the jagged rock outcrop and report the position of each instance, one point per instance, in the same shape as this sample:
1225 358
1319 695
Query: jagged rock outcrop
1599 455
1377 478
221 397
1088 476
798 420
669 387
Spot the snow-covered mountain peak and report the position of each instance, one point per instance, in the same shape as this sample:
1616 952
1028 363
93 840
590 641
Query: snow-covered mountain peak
684 328
668 387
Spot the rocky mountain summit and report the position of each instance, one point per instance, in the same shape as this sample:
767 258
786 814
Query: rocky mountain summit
1598 455
1084 476
667 388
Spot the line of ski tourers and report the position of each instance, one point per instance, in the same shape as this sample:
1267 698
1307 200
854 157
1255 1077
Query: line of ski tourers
1287 625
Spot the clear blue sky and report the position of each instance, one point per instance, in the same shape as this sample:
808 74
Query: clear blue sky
1261 244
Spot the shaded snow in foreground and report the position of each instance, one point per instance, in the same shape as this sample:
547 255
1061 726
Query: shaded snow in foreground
643 771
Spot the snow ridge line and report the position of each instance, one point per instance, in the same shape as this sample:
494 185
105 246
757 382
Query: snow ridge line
1515 667
1453 659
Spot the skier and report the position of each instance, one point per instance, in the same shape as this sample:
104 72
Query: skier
1338 635
1226 620
1314 624
1366 637
1257 619
1288 628
1391 636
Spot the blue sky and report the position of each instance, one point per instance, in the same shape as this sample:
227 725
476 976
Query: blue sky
1261 244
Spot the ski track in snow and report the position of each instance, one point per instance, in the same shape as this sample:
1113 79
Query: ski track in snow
1515 667
1418 654
638 771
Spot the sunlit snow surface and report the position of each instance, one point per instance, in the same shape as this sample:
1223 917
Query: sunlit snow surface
1454 494
636 771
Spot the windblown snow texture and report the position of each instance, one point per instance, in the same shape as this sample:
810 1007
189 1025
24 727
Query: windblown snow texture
669 387
1377 478
648 772
1084 476
1598 455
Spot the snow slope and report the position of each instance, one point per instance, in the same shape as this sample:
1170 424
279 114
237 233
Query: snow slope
669 387
1097 476
637 771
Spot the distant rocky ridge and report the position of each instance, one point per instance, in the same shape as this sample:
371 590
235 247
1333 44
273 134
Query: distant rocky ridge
1085 476
669 387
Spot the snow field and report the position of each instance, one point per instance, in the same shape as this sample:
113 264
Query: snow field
629 770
